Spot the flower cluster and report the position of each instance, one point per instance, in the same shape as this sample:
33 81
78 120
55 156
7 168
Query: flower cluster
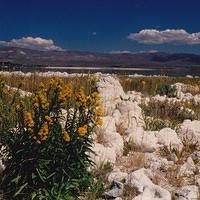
57 126
48 119
81 98
40 100
66 136
98 116
43 132
82 131
19 107
65 93
56 82
28 119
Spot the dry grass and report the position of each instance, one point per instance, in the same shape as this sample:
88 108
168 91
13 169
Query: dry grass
131 162
149 85
31 83
129 192
120 128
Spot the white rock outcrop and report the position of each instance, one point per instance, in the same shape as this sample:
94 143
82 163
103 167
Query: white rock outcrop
117 175
141 181
168 137
190 130
131 114
110 91
108 135
146 140
102 155
190 192
188 168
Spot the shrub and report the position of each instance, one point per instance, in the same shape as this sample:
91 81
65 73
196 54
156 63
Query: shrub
48 149
166 89
160 114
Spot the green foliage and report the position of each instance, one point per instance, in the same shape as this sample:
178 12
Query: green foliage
165 114
95 191
166 89
148 85
7 101
102 171
48 149
156 124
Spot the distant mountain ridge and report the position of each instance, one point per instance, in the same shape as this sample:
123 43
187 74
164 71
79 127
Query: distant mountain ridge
30 57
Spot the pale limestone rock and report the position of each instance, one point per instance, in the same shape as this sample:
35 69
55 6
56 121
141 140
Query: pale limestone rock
117 117
190 130
110 91
141 181
188 168
156 163
197 180
108 125
160 98
146 140
102 155
131 114
22 93
135 96
118 198
117 175
108 135
168 137
189 192
115 191
196 157
110 88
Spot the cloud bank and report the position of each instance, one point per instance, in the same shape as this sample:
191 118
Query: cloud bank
133 52
33 43
168 36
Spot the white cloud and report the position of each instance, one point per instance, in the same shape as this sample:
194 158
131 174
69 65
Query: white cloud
94 33
32 43
168 36
133 52
120 52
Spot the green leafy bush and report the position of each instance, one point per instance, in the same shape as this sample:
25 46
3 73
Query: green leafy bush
166 89
48 145
160 114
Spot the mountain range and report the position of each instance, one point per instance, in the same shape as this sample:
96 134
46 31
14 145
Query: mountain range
29 57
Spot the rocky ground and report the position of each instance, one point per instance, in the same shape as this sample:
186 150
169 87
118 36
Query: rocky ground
140 164
145 165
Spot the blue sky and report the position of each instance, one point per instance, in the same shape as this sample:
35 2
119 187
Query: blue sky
103 25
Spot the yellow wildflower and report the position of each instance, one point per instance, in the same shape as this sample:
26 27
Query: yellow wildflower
28 120
82 130
99 121
66 136
48 119
65 93
95 98
81 98
99 111
40 99
20 106
56 82
41 86
44 131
